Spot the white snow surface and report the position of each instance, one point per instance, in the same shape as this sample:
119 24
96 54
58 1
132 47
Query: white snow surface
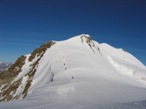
73 75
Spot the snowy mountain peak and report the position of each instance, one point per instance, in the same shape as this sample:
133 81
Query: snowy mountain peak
82 37
68 70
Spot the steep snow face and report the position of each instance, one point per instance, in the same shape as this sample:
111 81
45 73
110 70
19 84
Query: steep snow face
79 73
121 54
125 63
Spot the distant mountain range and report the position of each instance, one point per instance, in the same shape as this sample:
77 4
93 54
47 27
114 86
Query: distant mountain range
4 66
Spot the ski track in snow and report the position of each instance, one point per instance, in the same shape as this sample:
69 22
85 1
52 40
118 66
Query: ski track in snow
63 56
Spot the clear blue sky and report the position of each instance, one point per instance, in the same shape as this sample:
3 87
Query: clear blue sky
26 24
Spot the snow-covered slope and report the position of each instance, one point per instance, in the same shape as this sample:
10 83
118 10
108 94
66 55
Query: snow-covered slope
77 73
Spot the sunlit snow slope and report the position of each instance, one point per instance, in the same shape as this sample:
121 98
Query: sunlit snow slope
77 73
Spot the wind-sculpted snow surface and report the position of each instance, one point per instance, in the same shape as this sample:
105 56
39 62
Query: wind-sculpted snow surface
79 73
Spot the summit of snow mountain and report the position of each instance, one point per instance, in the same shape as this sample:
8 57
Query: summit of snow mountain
66 71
